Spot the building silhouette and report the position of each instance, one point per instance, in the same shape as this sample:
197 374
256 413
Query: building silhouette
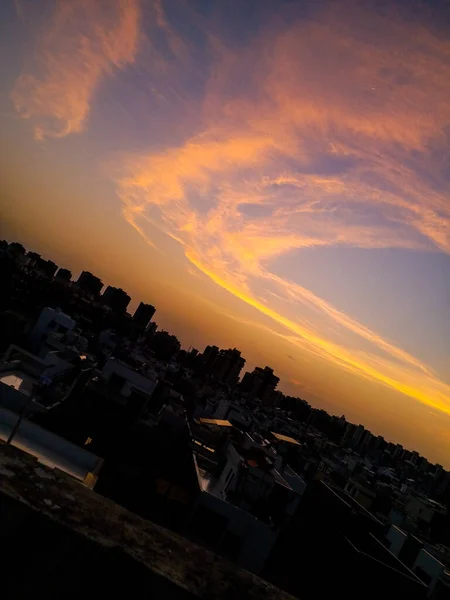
228 365
46 267
224 365
63 275
15 250
33 258
89 284
209 355
164 345
260 382
116 298
143 315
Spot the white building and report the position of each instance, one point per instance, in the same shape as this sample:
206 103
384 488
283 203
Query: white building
107 341
126 384
252 476
431 563
52 325
25 379
252 538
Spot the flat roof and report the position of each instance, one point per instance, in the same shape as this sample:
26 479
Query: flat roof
20 381
285 438
49 448
219 422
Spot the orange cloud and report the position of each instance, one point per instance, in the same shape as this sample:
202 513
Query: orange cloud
84 42
425 389
322 131
335 117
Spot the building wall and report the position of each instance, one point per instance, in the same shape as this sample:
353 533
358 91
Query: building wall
257 538
56 365
229 475
396 517
334 544
144 314
294 480
133 378
48 322
243 421
418 509
222 409
430 566
396 539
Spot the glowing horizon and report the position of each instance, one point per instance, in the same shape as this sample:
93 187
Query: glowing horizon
284 167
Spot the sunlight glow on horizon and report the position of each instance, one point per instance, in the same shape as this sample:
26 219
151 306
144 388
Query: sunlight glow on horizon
234 150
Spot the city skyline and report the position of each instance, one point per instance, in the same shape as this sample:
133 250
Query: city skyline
272 179
221 373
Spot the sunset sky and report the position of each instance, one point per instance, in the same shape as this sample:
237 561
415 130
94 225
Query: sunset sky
271 175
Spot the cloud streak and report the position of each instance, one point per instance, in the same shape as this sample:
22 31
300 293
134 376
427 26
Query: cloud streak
325 130
323 144
84 42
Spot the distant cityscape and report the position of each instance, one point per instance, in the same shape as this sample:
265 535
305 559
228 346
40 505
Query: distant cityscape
188 440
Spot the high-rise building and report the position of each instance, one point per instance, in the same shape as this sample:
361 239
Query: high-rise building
227 365
46 267
15 250
260 382
398 451
164 345
367 441
36 262
348 432
63 275
33 258
116 298
143 315
209 355
151 330
414 457
90 284
357 435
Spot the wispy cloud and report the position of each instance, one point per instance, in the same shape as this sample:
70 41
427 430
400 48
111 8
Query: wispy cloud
84 42
323 142
329 129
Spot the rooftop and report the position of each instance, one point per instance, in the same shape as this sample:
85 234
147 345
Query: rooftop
218 422
19 380
48 448
285 438
108 528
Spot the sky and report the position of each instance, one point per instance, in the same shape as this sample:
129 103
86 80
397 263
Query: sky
271 175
